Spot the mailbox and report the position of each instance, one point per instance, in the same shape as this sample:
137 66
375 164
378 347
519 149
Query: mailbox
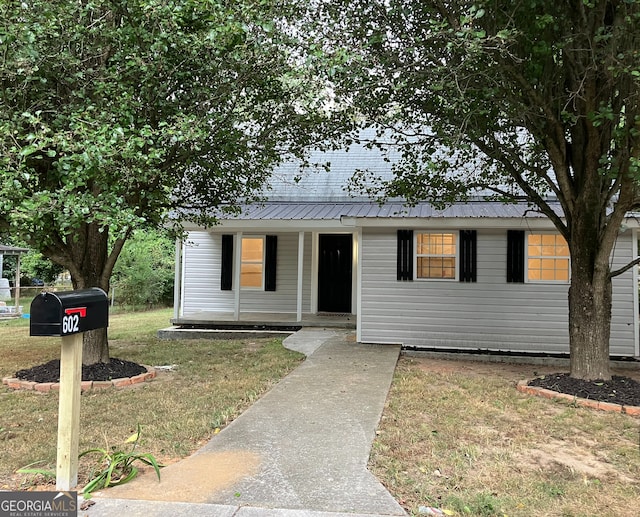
68 312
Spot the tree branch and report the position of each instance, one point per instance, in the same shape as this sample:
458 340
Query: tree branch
625 268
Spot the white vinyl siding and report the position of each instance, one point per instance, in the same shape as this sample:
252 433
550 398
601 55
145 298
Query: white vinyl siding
625 295
488 314
202 262
201 272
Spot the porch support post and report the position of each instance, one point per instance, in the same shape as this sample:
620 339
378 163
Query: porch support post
236 275
314 272
177 280
358 268
634 287
300 275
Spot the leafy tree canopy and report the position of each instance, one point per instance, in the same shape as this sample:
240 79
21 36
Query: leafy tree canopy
531 100
115 112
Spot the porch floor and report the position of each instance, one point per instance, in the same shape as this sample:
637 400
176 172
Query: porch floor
263 320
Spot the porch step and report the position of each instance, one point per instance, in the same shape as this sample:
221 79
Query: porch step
178 332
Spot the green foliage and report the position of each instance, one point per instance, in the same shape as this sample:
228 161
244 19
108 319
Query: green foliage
479 505
114 113
144 273
34 265
116 467
535 101
116 116
47 474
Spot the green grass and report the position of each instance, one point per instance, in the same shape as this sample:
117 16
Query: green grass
454 435
211 384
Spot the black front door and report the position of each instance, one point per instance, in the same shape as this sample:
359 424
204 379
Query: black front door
334 273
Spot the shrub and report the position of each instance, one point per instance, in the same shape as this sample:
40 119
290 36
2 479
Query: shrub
143 276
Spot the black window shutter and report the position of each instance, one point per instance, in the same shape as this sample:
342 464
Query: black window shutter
468 255
271 253
515 256
226 276
405 255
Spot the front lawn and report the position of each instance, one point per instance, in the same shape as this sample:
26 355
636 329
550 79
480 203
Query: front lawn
208 385
456 435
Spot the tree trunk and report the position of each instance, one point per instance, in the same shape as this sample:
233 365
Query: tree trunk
590 297
85 253
90 254
95 347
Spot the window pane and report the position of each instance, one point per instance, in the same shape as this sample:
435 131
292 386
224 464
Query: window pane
251 267
549 251
548 264
436 255
449 268
434 267
252 250
548 239
434 246
251 275
547 274
544 258
534 250
562 269
422 267
449 249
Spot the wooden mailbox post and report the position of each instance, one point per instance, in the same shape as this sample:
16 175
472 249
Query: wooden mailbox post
69 314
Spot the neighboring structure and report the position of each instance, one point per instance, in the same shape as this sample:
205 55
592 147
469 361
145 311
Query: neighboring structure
475 276
5 291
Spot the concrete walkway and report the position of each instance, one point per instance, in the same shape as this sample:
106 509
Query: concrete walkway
301 450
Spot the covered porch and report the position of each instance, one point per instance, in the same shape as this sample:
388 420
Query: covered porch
297 277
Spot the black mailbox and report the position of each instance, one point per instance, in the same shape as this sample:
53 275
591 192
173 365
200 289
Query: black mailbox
69 312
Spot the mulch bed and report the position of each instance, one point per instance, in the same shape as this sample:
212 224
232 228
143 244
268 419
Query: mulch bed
114 369
619 390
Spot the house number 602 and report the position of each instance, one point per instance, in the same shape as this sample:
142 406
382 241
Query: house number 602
70 323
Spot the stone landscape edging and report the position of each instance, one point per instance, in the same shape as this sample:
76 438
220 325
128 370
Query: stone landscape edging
45 387
523 386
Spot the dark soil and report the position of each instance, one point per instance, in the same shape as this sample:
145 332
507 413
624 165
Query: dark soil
619 390
114 369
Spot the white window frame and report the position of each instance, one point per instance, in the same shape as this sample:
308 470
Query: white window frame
527 257
262 262
456 256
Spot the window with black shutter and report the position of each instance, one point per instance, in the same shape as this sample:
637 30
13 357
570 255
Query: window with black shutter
515 256
468 255
270 259
226 276
405 255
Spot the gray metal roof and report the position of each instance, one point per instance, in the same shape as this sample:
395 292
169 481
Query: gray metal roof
319 211
320 192
328 172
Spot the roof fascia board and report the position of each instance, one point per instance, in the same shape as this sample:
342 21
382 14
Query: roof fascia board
451 222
